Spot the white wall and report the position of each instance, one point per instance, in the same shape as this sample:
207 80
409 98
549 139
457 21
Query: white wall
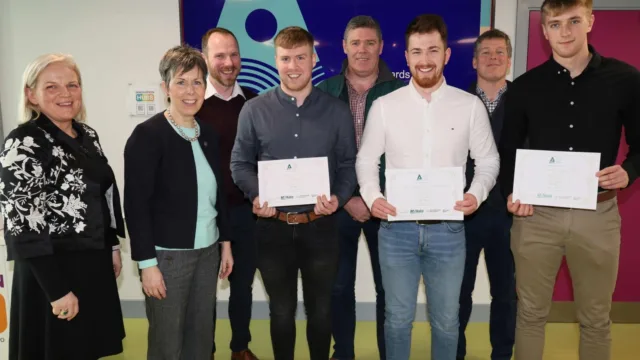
117 42
505 20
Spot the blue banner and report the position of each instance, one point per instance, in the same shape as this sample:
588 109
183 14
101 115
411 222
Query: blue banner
256 22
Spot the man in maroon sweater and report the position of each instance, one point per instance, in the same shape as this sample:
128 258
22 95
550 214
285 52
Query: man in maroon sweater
224 98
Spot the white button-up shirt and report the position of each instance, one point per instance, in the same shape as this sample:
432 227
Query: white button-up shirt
211 91
414 133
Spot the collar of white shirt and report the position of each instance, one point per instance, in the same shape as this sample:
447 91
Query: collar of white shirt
417 95
211 90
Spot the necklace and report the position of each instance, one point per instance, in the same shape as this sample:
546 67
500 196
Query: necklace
184 136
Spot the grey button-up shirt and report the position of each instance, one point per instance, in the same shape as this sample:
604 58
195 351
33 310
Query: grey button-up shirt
273 127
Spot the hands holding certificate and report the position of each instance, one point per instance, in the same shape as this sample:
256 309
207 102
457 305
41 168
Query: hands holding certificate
382 209
613 177
560 179
518 209
294 182
424 194
324 206
468 206
263 210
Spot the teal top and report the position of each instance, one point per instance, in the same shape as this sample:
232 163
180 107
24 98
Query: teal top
206 228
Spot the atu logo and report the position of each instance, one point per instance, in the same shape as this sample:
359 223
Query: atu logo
3 308
258 26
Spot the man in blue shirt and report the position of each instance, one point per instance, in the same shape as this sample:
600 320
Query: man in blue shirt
297 120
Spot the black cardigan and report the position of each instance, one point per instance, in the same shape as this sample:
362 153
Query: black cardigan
49 204
161 191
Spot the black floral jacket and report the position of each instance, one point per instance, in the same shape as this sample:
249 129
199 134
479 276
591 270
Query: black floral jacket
48 204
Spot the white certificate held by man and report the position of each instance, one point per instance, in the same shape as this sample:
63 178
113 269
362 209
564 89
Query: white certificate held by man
425 194
294 181
556 178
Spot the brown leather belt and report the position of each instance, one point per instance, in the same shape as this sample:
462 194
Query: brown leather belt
297 218
607 195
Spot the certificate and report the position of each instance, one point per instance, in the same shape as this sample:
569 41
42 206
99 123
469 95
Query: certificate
293 181
564 179
425 194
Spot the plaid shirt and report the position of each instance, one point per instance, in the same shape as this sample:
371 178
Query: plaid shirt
357 103
491 105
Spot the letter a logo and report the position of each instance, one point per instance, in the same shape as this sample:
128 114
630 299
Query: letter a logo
289 167
419 177
552 161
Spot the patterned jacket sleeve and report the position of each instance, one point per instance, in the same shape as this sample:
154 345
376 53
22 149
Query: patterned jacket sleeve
23 193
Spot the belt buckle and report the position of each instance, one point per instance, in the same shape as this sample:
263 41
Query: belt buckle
291 223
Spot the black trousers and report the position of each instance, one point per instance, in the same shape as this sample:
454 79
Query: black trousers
284 249
489 229
243 223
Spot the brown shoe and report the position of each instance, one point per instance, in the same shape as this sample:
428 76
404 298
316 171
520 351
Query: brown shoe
244 355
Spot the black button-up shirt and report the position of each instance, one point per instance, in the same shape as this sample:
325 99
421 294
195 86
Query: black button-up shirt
273 127
585 113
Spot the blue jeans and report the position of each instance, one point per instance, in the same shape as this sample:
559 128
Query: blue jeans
437 252
344 296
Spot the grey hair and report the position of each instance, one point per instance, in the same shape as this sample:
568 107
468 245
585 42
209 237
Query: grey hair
493 34
363 21
28 111
181 58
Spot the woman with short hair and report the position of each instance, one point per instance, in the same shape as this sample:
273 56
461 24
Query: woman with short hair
176 214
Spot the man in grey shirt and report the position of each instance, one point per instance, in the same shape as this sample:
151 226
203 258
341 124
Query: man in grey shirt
297 120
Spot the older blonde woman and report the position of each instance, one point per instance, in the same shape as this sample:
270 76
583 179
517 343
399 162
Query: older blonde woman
176 213
61 213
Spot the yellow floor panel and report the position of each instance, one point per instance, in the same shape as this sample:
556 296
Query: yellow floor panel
561 341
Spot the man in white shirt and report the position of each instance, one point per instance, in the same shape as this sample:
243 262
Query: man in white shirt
425 124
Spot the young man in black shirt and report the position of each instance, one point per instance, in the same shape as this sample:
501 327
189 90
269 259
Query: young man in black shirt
578 100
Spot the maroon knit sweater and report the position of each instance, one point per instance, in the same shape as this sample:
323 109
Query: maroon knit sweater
222 115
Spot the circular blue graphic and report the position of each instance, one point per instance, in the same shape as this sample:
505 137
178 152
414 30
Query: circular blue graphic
261 25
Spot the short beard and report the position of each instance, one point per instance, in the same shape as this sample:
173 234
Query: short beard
429 82
218 78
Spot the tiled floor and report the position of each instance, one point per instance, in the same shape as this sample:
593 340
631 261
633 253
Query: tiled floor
561 341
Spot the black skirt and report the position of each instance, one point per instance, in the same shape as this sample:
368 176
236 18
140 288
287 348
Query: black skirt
98 329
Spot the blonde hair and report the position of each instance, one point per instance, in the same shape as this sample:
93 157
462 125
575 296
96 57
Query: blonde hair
556 7
28 111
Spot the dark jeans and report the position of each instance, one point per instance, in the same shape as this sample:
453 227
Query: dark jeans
241 279
344 296
284 249
489 229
